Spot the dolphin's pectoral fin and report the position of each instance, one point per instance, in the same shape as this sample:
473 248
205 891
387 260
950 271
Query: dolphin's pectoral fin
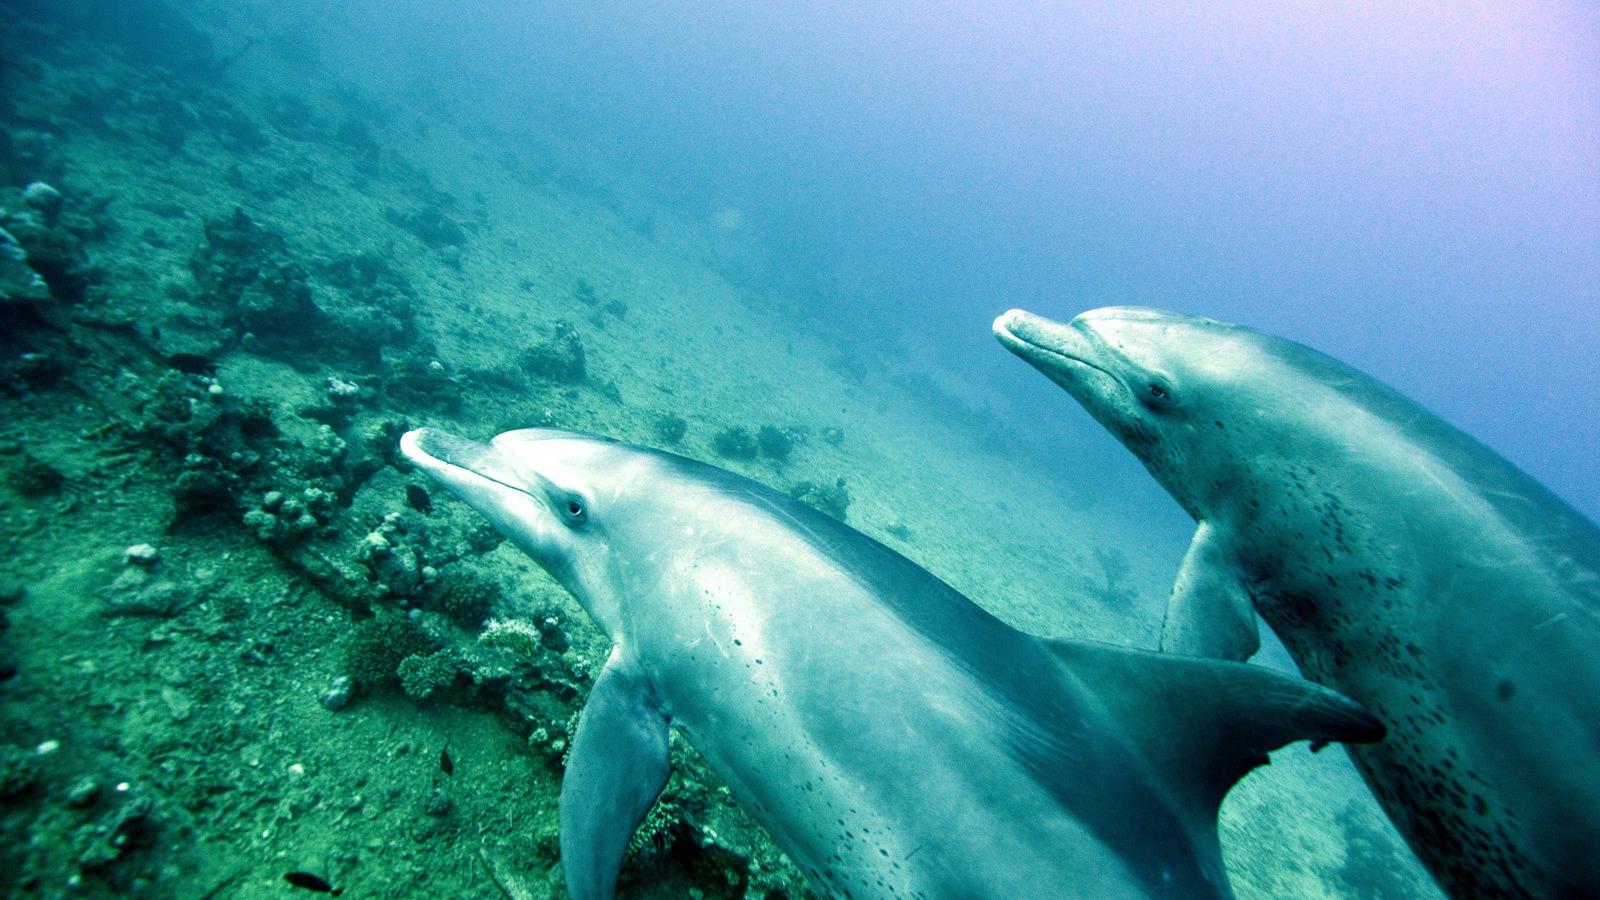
1210 613
617 769
1205 723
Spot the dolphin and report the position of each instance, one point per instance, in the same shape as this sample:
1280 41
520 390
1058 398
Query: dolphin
1400 561
893 737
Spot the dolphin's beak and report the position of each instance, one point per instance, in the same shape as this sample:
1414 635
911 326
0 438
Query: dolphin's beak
467 468
1063 352
1005 323
1033 337
484 476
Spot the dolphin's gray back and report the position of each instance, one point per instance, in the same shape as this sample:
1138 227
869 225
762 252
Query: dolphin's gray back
1045 719
1525 504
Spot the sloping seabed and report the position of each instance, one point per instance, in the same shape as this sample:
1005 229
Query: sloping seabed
258 278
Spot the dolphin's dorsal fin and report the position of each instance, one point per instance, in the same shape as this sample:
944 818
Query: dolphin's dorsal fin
618 766
1210 612
1203 723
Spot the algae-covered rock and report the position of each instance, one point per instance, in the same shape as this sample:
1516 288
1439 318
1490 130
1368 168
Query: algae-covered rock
832 499
33 478
28 153
220 441
775 443
419 379
356 136
293 117
465 595
277 306
735 443
32 371
431 225
670 428
381 303
268 296
229 124
559 359
19 283
391 560
44 200
147 590
337 695
19 770
247 270
127 827
52 250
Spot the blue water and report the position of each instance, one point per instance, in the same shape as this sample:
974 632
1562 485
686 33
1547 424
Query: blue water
1414 190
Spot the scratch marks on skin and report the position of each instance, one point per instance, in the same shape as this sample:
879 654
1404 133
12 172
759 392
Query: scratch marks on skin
1553 620
711 636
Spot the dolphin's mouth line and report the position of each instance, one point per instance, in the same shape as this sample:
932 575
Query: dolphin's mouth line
493 480
445 462
476 474
1057 354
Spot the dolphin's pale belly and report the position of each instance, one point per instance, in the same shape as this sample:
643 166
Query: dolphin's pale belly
874 760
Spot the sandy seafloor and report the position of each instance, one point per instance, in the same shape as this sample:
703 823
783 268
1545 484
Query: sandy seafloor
162 725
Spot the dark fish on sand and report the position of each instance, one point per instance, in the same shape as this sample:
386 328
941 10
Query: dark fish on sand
417 497
446 764
312 883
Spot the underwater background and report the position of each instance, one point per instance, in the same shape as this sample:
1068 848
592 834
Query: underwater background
242 639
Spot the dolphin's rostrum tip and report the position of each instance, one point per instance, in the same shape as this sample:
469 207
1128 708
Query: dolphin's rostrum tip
1002 322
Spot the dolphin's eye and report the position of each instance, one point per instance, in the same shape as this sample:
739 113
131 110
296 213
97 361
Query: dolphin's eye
1157 394
576 512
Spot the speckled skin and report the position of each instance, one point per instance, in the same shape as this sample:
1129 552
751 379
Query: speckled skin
895 739
1400 562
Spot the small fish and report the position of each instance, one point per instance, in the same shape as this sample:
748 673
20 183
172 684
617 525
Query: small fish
417 497
312 883
446 764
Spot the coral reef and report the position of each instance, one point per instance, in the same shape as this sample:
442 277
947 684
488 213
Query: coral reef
375 647
282 521
421 675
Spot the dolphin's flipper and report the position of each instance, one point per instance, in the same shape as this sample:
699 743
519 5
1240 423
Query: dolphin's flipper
1210 613
1207 722
617 769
